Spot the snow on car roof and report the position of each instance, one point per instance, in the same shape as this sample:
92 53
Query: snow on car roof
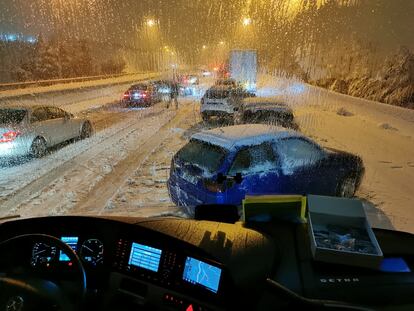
277 101
233 137
220 88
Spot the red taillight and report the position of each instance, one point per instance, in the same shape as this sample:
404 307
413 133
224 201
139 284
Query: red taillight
144 94
126 94
214 186
9 136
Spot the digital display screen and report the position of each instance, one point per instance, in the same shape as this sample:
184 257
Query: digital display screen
72 241
394 265
201 273
145 257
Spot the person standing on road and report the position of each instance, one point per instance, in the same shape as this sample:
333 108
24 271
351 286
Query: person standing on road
173 95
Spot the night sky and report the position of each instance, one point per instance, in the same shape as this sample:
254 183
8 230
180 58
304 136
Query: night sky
187 24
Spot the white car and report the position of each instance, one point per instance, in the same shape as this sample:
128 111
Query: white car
32 130
221 102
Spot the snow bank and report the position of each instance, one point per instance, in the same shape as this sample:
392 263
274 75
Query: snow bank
394 86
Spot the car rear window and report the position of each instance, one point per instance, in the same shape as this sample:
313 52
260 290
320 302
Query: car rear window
12 116
206 156
138 87
217 94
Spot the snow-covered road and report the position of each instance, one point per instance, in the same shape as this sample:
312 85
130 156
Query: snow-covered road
123 169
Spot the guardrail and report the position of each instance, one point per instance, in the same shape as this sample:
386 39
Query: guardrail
21 85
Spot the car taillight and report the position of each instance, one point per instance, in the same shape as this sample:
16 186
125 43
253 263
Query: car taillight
144 94
214 186
126 94
9 136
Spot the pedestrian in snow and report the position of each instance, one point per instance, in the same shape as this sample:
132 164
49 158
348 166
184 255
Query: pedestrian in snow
173 95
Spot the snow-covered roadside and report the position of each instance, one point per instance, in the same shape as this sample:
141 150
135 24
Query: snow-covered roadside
381 134
77 100
74 86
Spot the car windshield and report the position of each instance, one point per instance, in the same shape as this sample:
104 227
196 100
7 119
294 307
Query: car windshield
210 161
12 116
217 94
140 87
119 94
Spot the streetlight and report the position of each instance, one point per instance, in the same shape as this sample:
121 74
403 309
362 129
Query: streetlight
204 47
151 22
221 42
247 21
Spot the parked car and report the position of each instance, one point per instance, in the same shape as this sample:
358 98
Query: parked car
163 87
220 102
265 111
224 165
141 94
32 130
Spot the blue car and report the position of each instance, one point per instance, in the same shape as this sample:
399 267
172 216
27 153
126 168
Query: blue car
223 165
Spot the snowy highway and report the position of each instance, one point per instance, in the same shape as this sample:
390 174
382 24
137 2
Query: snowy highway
124 167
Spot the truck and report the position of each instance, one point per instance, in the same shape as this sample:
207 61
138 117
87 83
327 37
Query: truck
243 68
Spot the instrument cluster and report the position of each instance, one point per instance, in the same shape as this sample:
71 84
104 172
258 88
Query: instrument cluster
89 250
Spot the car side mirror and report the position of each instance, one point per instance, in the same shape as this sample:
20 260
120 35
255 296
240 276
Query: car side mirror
238 178
221 178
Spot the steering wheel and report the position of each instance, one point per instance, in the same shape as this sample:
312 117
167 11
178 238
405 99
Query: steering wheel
26 292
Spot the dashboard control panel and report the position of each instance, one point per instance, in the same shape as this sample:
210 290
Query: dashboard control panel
167 267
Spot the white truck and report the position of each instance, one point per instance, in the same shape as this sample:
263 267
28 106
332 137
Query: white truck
243 68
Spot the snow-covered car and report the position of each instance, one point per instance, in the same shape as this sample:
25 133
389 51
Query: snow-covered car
265 110
224 165
141 94
32 130
220 102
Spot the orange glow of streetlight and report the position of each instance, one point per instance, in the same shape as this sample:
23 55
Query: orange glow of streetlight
247 21
221 42
151 22
204 47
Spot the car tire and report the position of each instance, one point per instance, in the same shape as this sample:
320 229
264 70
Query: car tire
86 131
38 148
347 187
